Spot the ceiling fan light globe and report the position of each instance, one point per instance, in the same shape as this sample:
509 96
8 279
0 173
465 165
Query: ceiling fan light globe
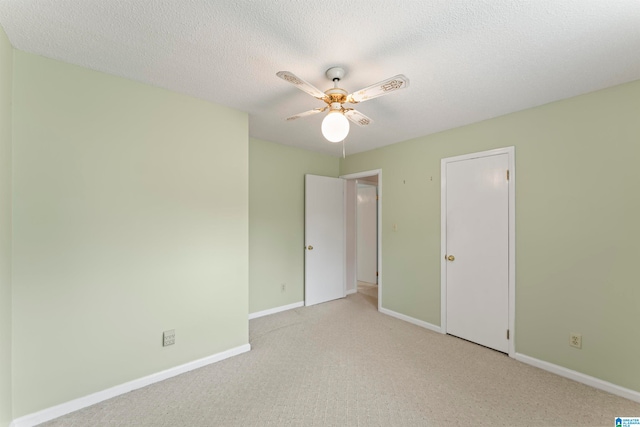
335 127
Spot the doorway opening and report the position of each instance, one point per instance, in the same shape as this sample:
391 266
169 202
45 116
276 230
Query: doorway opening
363 250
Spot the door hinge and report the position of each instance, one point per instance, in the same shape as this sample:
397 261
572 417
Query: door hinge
376 274
507 174
377 197
507 334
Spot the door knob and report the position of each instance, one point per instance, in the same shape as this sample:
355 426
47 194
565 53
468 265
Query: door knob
451 257
310 247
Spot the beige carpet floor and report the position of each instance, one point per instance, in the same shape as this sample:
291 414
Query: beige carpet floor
344 364
369 291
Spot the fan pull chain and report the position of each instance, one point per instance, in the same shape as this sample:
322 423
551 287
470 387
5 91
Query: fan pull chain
343 155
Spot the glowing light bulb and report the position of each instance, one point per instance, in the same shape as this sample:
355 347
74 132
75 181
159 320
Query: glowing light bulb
335 126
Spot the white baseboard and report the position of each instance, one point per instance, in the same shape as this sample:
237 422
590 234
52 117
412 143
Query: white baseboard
83 402
417 322
275 310
352 291
580 377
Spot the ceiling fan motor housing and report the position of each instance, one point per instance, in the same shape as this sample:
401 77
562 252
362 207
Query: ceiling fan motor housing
336 94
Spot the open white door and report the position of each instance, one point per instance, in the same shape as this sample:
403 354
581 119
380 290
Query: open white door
324 239
367 233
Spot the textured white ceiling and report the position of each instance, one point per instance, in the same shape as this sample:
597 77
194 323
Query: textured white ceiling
467 60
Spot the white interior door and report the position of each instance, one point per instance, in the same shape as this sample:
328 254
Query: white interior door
324 239
367 241
477 249
351 236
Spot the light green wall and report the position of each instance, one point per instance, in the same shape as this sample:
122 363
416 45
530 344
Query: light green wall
6 65
276 220
130 218
577 238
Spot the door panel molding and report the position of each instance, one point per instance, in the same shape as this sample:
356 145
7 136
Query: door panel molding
510 152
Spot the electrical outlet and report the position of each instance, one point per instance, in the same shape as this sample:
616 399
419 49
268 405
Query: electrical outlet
575 340
169 337
283 287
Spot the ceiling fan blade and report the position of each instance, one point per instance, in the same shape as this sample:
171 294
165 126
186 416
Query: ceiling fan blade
301 84
307 113
382 88
357 117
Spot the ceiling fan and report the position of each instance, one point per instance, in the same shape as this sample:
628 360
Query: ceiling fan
335 126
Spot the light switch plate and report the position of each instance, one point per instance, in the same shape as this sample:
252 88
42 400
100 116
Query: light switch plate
169 337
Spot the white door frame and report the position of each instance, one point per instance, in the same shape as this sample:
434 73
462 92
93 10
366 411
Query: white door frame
510 151
365 174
